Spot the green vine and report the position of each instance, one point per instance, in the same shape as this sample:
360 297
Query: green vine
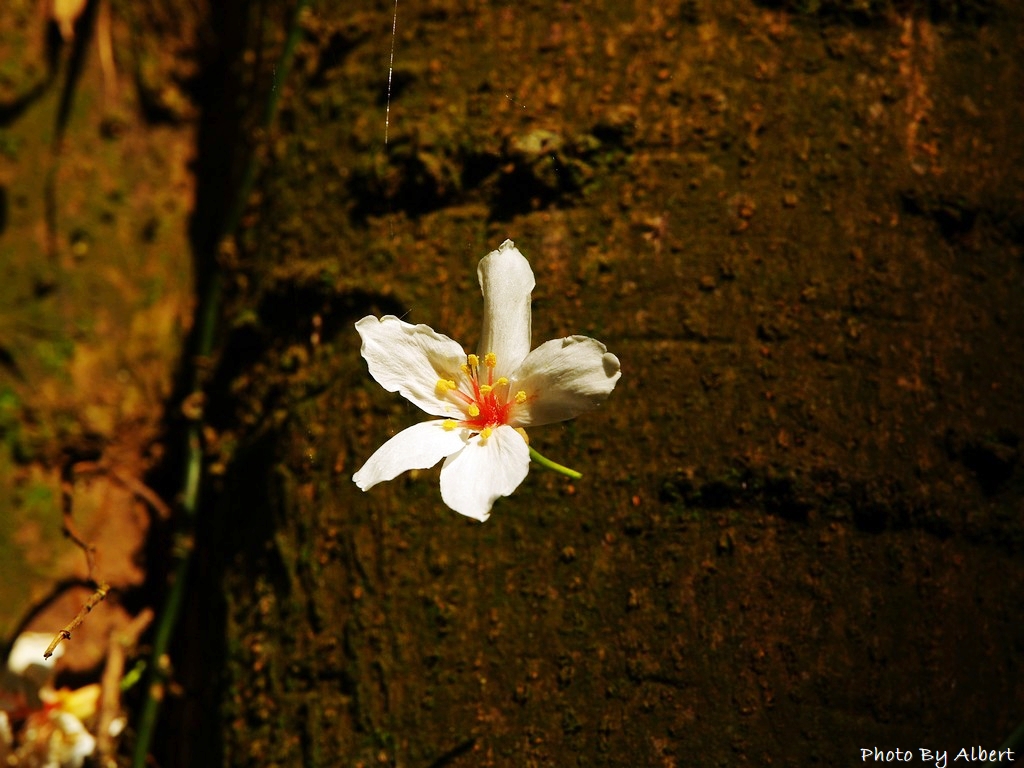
208 316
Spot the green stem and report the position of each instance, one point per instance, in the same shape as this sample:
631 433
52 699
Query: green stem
544 461
208 316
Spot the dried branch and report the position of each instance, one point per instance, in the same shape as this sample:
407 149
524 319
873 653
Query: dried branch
102 588
137 487
121 642
65 634
71 532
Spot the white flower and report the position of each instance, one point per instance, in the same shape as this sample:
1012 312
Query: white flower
52 735
484 400
27 652
70 743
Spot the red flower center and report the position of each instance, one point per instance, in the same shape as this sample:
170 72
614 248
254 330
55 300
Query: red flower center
485 404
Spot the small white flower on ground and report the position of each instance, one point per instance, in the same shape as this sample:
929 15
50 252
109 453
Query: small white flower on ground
70 743
27 670
484 400
52 734
28 650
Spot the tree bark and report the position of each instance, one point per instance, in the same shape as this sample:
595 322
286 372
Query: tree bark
798 532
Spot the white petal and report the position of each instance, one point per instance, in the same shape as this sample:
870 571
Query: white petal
419 447
28 650
506 281
410 359
75 744
562 379
473 478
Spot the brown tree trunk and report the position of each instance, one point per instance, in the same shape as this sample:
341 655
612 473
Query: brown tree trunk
799 531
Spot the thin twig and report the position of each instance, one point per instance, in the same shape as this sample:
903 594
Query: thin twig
65 634
121 641
102 588
135 486
71 532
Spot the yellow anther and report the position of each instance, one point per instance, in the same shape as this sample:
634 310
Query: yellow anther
501 381
464 368
473 410
490 359
520 397
485 433
444 385
474 361
485 389
449 424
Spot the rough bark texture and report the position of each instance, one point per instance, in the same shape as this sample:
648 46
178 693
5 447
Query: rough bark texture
799 529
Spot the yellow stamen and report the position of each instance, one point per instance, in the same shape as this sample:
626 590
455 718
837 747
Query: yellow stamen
473 411
485 389
445 385
490 359
502 380
520 397
474 361
449 424
485 433
464 368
